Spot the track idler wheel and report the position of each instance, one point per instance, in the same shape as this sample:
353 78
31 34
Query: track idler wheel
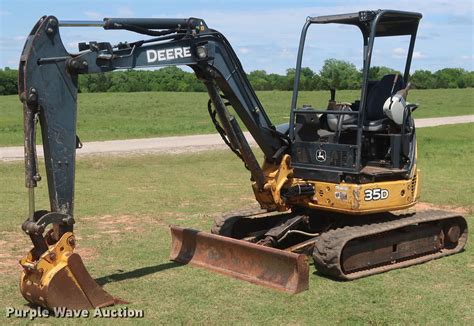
59 279
453 233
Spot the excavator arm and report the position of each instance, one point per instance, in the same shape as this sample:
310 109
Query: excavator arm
48 88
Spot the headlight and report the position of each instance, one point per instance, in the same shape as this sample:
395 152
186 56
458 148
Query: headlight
201 52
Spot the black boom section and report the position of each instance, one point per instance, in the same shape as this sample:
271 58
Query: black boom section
235 85
48 88
220 65
50 92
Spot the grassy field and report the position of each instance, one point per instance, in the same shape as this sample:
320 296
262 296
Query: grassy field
123 207
104 116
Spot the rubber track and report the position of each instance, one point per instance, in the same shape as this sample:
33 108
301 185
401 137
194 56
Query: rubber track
329 246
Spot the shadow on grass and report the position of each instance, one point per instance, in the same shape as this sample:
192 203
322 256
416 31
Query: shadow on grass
136 273
328 277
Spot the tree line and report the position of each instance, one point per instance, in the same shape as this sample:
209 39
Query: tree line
334 73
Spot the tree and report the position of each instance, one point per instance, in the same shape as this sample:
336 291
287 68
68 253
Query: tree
290 78
377 72
340 74
468 79
450 78
278 82
334 73
423 79
259 80
8 81
307 79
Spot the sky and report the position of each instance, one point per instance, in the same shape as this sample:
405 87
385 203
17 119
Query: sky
265 34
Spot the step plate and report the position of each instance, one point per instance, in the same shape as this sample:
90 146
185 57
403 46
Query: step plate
273 268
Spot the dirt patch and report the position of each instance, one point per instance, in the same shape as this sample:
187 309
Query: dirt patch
13 247
120 224
9 265
426 206
86 253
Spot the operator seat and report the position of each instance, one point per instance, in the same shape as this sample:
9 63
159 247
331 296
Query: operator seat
376 97
374 116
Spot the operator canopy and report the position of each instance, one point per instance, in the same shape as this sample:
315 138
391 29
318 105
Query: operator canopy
391 23
382 23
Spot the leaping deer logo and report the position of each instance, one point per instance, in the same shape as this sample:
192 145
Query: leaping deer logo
321 155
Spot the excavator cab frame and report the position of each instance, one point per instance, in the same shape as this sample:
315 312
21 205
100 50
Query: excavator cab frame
337 159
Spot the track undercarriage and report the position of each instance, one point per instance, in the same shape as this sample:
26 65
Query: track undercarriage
349 247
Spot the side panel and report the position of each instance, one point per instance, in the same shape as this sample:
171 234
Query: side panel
369 198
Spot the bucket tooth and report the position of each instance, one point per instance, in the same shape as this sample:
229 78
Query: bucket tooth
270 267
59 279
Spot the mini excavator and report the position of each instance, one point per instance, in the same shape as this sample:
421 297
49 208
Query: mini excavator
336 183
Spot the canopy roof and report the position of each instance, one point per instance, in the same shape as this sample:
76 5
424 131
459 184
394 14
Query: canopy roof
390 23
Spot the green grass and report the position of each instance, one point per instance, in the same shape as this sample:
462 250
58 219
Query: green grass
124 204
445 155
105 116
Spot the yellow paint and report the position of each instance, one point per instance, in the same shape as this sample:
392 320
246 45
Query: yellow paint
345 198
37 274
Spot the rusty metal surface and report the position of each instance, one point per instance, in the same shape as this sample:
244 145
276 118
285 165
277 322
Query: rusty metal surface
305 247
377 170
260 265
67 285
390 247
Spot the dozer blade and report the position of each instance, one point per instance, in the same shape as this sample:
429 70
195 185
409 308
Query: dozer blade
59 279
257 264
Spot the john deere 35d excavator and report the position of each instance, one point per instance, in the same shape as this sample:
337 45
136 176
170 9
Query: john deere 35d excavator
328 187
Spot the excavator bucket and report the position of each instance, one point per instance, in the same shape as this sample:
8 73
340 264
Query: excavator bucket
59 279
257 264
